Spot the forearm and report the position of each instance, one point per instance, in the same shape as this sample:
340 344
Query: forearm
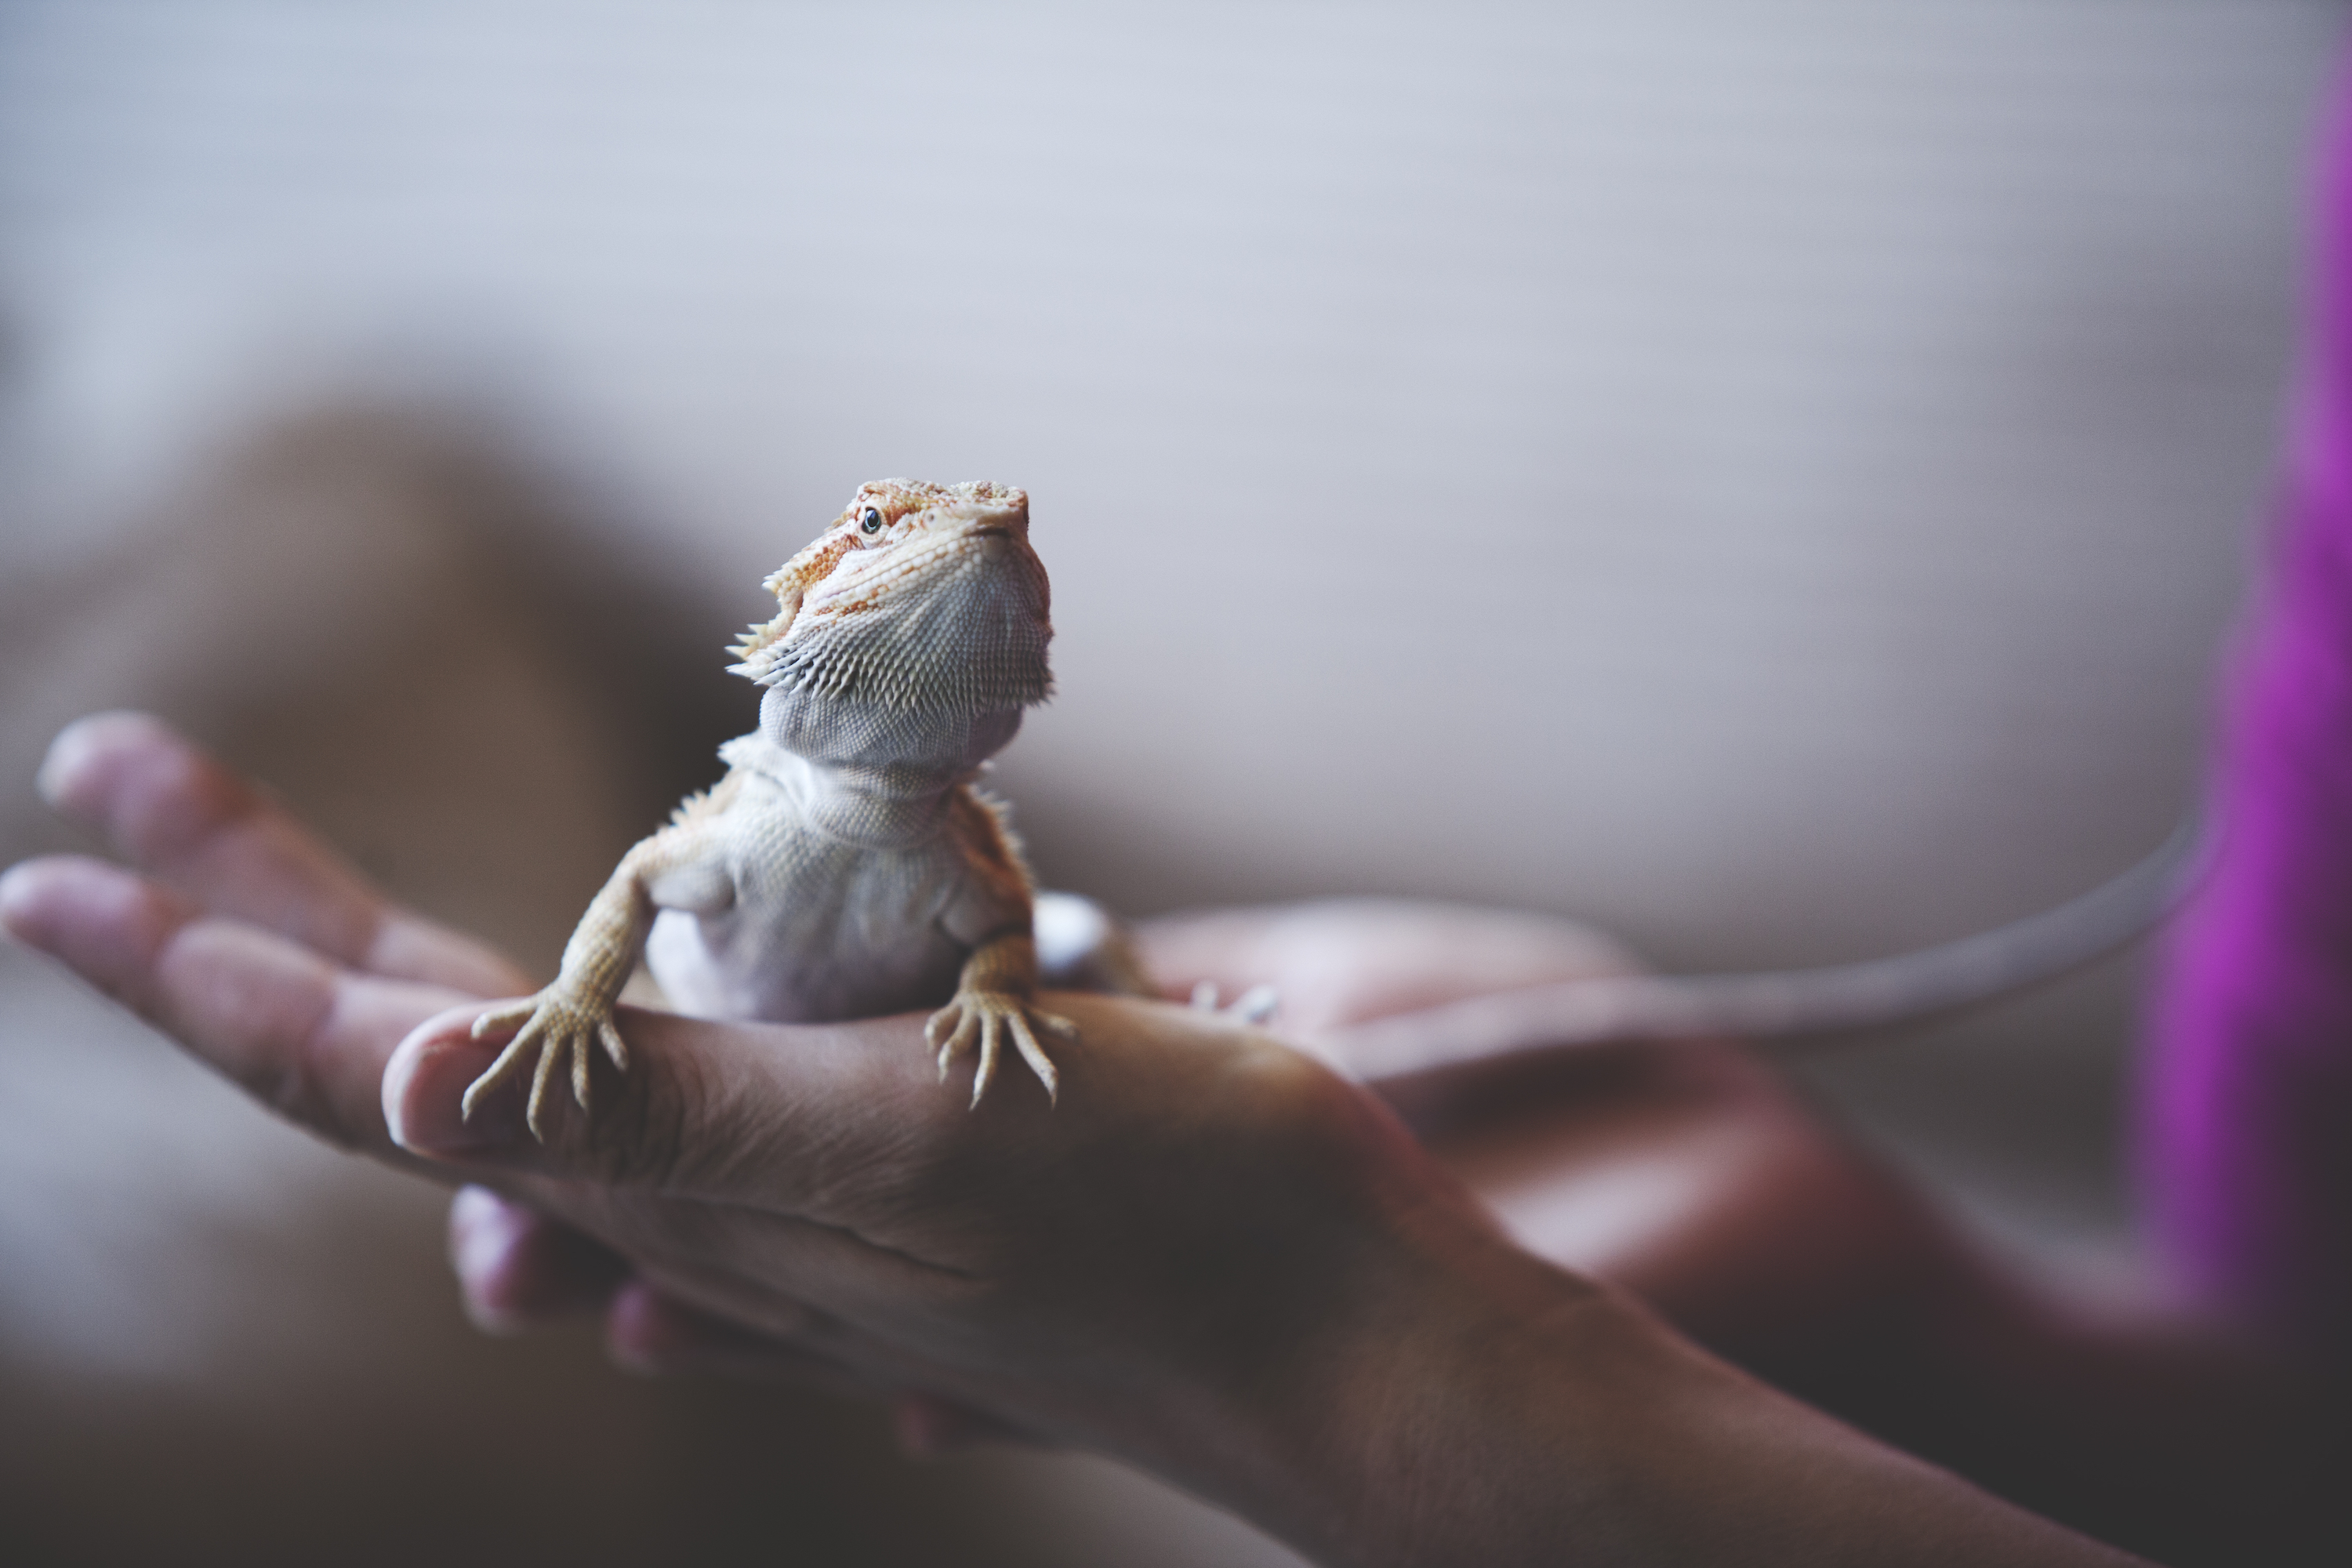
1490 1408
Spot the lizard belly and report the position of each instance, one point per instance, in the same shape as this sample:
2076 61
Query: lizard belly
820 930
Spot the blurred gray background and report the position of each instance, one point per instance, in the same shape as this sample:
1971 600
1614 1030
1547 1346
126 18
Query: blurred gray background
1769 479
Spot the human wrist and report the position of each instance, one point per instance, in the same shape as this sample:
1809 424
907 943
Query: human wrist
1482 1405
1430 1409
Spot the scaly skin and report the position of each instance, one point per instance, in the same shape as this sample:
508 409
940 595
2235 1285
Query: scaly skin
992 1000
844 867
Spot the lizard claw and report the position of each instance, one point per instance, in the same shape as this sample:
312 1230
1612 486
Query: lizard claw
967 1026
986 1018
497 1019
1034 1054
556 1028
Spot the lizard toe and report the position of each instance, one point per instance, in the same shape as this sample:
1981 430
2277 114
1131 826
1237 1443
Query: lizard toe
1035 1055
991 1032
494 1019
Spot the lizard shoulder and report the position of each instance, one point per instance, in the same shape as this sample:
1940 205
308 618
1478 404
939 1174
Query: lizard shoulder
683 865
706 803
983 831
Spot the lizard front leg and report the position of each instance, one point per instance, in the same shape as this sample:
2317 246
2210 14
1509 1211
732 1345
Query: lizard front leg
993 1001
567 1020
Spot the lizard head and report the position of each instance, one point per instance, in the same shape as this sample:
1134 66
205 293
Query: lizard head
919 600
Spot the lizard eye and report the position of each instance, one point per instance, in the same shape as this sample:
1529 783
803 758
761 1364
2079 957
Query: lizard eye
872 521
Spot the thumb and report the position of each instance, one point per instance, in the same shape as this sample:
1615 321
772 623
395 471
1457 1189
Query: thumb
776 1115
641 1129
418 1111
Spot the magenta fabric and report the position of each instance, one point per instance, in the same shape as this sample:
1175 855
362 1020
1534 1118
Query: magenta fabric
2245 1110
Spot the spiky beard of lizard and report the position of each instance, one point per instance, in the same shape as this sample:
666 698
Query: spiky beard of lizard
965 635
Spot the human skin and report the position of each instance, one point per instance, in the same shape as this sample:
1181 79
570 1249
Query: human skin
1215 1260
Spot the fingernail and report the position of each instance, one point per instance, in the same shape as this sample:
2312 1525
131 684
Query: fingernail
81 751
425 1088
32 889
483 1228
483 1233
16 894
67 753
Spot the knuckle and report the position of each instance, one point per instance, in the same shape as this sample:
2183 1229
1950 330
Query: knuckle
300 1092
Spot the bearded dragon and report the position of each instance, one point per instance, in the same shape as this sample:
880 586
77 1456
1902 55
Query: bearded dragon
844 867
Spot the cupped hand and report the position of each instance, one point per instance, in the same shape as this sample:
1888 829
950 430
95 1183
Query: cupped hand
1200 1236
246 937
1185 1262
1214 1257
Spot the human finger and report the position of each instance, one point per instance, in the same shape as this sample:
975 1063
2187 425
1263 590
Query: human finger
171 810
1338 960
517 1266
305 1036
743 1162
649 1330
792 1119
736 1164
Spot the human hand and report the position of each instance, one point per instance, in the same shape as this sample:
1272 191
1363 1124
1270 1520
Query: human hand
239 931
270 957
1215 1260
249 940
1684 1171
1336 962
1189 1267
1209 1230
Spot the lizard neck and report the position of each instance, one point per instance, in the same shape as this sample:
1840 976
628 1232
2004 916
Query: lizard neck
873 773
907 750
